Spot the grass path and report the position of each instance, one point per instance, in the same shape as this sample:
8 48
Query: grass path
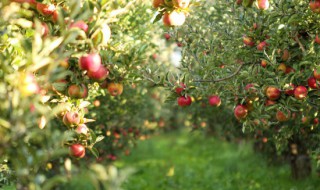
192 162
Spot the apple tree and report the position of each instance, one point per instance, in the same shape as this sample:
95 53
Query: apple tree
71 80
259 58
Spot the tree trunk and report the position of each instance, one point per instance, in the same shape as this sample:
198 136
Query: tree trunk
300 162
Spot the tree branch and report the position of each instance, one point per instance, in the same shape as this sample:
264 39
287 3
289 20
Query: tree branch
225 78
296 38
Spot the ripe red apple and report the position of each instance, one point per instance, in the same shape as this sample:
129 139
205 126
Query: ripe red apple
273 93
77 150
80 24
282 116
55 16
99 75
316 74
238 2
248 41
316 121
82 129
181 88
263 63
312 83
250 88
215 101
289 70
78 91
46 10
167 36
290 89
240 112
262 45
90 62
115 89
71 118
174 18
263 4
305 120
181 3
285 55
184 101
270 102
315 6
300 92
317 40
157 3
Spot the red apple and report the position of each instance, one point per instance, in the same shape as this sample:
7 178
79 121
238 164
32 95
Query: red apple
250 88
282 116
264 63
80 24
312 83
316 121
317 40
157 3
174 18
184 101
273 93
262 45
290 89
167 36
240 112
77 150
181 3
78 91
285 55
270 102
315 6
248 41
115 89
99 75
263 4
71 118
289 70
55 16
300 92
90 62
214 101
238 2
46 10
82 129
316 74
181 88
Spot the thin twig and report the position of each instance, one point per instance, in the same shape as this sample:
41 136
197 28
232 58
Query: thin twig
225 78
296 38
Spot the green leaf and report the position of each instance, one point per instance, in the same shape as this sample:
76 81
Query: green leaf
95 152
158 17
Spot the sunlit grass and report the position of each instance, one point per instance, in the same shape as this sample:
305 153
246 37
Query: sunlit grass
193 162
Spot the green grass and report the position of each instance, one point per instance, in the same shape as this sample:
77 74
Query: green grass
199 163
